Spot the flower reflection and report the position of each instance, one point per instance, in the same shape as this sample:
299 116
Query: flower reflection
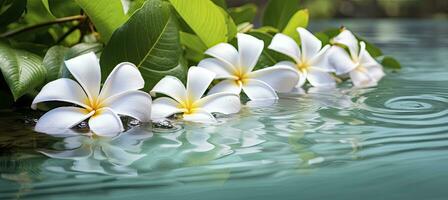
104 155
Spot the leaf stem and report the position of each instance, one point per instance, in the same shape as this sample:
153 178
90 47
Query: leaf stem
35 26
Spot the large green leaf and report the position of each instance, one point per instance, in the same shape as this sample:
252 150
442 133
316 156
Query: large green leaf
245 13
22 70
107 15
206 19
150 40
299 19
278 12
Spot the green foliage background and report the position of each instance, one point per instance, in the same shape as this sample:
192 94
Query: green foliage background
161 37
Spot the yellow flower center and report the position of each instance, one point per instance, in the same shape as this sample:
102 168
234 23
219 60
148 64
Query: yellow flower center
303 66
241 77
188 106
361 68
94 105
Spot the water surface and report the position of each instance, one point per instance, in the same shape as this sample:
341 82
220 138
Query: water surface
388 142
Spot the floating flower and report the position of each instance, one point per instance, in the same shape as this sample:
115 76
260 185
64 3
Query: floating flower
119 96
363 69
310 59
188 100
235 67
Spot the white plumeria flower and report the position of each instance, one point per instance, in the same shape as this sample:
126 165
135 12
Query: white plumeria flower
188 100
119 95
363 69
235 67
310 59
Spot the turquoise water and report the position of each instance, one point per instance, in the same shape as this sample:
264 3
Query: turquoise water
389 142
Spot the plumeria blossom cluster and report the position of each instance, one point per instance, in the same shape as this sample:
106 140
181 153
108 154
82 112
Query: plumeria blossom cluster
232 68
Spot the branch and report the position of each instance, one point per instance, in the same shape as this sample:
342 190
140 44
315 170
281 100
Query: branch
35 26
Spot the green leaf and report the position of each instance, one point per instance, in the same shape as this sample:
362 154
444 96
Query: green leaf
22 70
205 18
390 63
150 40
59 8
54 62
107 15
268 57
245 13
278 13
13 12
192 41
299 19
220 3
372 49
83 48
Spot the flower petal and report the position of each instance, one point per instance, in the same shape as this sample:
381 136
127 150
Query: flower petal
249 49
321 60
197 82
200 116
225 53
119 156
136 104
172 87
226 103
86 70
375 71
361 79
164 107
341 60
62 89
302 78
60 119
347 38
105 123
125 77
310 44
320 78
228 86
285 45
280 78
259 90
221 69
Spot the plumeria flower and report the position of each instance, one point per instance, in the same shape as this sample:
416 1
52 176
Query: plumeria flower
310 59
188 100
120 95
235 68
363 69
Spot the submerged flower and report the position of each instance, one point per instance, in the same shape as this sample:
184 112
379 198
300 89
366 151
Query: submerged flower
310 59
188 100
235 67
119 96
363 69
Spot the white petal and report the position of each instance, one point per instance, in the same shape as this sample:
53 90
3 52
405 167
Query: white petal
105 123
136 104
56 121
364 57
361 79
164 107
86 70
172 87
221 69
125 77
321 60
200 116
280 78
228 86
225 53
226 103
375 71
62 89
302 78
259 90
341 60
320 78
347 38
197 82
310 44
249 49
285 45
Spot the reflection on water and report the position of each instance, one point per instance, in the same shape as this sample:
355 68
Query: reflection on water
390 141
